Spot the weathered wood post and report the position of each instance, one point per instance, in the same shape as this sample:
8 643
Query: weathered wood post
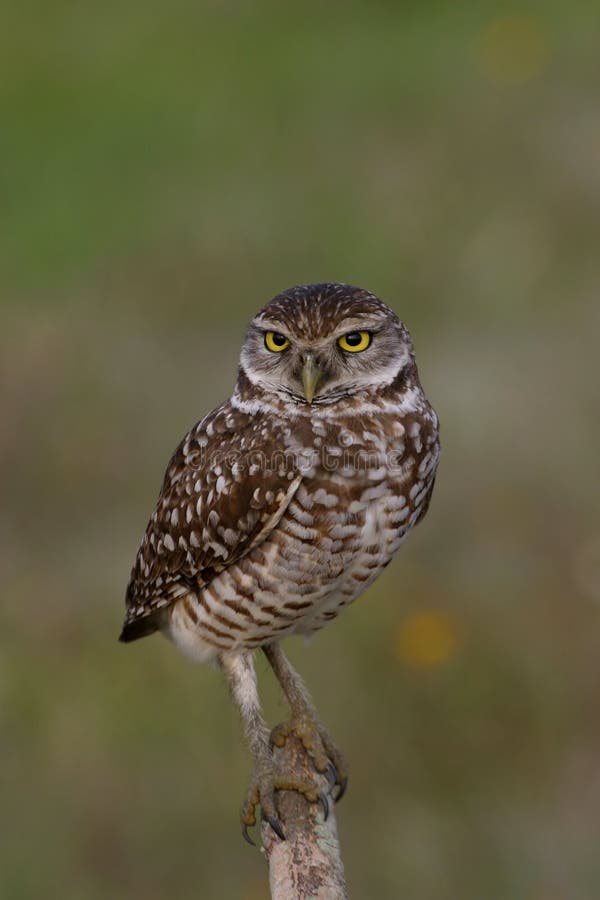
308 864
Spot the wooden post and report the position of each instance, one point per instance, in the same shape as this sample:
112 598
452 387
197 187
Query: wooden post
308 864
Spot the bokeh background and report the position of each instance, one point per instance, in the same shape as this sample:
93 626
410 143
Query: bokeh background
165 169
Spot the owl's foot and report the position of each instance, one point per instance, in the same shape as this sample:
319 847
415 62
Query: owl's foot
266 780
327 758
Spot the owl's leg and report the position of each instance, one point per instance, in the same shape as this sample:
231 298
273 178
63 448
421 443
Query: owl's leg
240 673
305 723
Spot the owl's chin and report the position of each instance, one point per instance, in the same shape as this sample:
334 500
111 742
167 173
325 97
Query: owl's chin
295 400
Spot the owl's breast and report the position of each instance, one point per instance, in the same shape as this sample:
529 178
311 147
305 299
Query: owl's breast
353 511
357 501
348 546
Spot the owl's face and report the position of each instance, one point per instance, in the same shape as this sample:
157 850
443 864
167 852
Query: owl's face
316 344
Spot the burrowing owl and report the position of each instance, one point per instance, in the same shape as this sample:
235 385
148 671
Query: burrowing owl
283 505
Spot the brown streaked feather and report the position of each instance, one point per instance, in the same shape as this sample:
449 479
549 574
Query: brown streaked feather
225 489
314 310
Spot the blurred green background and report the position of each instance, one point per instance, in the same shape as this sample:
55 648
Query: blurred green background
166 169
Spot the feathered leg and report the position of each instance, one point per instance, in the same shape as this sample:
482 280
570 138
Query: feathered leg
267 778
304 722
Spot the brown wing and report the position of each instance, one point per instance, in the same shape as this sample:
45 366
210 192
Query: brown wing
225 489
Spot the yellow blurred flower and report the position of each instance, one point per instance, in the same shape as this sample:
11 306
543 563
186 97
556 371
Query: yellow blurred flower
427 639
513 49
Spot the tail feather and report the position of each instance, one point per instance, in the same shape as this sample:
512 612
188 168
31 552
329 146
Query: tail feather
141 627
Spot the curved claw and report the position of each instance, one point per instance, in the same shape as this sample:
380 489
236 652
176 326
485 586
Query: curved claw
276 826
324 805
246 836
343 785
333 778
331 775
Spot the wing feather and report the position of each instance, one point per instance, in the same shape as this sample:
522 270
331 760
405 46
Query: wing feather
225 489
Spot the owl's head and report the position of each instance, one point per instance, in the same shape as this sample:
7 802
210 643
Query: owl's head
318 343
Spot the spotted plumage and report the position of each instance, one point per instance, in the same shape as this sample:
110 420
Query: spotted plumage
282 506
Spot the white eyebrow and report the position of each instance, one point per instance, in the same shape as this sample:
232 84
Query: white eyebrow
270 325
356 324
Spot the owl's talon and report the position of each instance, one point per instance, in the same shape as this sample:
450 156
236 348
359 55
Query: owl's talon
331 775
338 763
325 806
326 757
246 836
276 826
266 781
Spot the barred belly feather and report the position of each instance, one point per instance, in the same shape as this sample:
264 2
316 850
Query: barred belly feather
340 530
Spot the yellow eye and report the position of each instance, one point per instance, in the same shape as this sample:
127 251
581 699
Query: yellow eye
355 341
276 342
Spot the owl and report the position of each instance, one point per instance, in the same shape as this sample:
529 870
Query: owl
283 504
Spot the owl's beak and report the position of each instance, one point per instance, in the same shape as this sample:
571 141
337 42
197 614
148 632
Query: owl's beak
312 375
